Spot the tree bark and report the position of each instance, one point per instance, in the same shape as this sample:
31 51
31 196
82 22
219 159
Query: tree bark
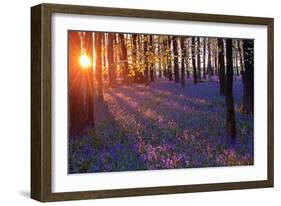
209 66
110 59
221 66
150 49
198 60
240 50
204 58
98 51
170 75
237 57
140 73
90 76
183 56
160 53
248 93
124 59
230 112
145 50
193 60
176 60
134 58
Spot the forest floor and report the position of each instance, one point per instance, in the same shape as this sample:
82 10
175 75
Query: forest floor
162 126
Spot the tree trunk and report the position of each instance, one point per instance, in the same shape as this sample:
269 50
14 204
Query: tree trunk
209 66
204 58
104 60
183 56
90 76
145 50
248 93
237 57
124 59
140 73
230 112
170 75
216 64
176 60
98 51
110 59
240 50
198 60
134 58
160 53
150 62
193 60
221 66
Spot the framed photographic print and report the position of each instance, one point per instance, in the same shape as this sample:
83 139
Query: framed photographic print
130 102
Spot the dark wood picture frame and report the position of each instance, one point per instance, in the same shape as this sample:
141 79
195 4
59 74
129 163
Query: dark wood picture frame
41 101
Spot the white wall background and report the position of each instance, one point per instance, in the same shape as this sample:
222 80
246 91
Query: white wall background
15 102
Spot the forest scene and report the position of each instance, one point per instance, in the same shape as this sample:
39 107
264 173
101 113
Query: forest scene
150 102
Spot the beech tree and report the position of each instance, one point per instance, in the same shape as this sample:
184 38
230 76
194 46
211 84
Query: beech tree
198 59
241 52
98 55
145 50
90 79
237 57
230 112
193 56
170 75
160 53
134 57
248 93
209 63
150 58
221 66
110 59
124 59
176 60
183 54
204 58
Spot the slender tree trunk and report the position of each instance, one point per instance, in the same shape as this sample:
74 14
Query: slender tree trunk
90 76
230 112
110 59
188 58
237 57
98 53
209 66
240 50
198 60
151 65
193 60
248 94
170 75
216 63
204 58
160 53
176 60
140 55
145 49
165 57
124 59
221 66
134 58
104 60
183 56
